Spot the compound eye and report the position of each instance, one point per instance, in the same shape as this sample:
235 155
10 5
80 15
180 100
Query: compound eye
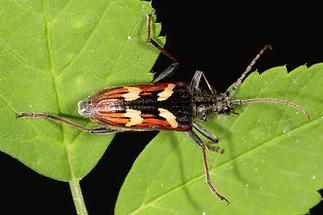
226 109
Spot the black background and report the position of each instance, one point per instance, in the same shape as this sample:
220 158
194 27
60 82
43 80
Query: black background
219 38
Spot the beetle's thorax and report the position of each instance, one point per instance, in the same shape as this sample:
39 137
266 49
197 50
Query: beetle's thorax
206 103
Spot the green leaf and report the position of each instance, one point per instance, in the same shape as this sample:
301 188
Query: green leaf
272 163
55 53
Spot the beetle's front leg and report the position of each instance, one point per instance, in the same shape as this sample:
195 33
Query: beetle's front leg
169 71
196 80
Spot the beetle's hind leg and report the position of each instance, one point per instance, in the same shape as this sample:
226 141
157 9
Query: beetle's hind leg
100 130
208 179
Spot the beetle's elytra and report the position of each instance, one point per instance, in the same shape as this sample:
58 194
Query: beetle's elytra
163 106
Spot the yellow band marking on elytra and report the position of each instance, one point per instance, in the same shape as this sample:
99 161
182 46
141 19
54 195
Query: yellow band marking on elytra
170 118
132 94
166 93
134 117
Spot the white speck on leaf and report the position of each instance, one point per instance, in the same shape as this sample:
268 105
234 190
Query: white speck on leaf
294 81
129 37
286 130
77 24
69 56
313 177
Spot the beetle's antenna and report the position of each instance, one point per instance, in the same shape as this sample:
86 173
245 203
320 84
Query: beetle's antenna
271 100
248 69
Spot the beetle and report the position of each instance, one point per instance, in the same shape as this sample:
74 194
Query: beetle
175 106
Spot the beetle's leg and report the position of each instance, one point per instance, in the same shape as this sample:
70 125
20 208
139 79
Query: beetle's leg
206 133
213 189
173 67
101 130
210 136
153 42
166 73
195 82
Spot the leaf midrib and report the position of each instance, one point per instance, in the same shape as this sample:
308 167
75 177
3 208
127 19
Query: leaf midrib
54 78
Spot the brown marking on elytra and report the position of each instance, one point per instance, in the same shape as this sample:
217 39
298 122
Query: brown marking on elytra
152 88
115 115
106 119
110 93
147 115
153 122
145 94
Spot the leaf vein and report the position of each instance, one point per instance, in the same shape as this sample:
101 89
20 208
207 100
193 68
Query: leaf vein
20 58
15 111
58 13
86 42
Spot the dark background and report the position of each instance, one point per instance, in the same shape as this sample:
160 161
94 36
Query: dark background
220 39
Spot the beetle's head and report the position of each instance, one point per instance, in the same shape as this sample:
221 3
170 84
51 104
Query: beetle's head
222 104
85 107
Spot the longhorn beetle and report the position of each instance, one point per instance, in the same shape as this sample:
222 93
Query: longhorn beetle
163 106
